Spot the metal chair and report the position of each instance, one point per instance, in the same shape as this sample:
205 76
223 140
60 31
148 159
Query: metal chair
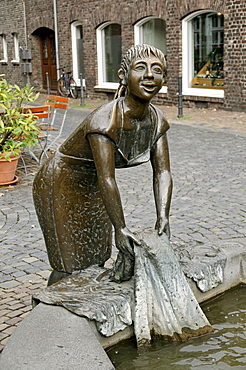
43 114
58 106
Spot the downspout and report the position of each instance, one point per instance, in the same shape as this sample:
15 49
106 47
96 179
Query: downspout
56 38
26 75
24 18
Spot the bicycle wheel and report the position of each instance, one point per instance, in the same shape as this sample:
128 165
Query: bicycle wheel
63 87
73 88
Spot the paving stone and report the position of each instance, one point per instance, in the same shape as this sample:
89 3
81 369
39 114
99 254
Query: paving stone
9 330
4 341
12 303
45 274
8 299
4 278
3 336
13 321
17 306
9 284
3 319
3 327
29 259
14 313
8 269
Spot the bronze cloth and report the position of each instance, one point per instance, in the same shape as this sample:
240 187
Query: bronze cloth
71 212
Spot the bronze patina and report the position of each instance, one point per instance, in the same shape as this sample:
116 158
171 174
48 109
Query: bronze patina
75 192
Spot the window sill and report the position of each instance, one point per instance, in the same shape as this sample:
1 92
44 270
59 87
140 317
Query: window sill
203 92
15 61
3 61
107 87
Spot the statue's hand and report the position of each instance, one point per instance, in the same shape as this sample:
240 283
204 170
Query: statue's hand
124 239
162 225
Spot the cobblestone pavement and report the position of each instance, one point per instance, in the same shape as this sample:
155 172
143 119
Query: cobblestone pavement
207 150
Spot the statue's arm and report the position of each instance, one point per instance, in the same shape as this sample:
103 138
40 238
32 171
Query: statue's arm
103 154
162 184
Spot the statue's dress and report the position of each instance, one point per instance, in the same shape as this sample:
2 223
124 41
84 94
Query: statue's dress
71 213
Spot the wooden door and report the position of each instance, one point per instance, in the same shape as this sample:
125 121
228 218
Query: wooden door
48 58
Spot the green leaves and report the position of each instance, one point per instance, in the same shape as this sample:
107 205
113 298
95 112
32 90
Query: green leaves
17 129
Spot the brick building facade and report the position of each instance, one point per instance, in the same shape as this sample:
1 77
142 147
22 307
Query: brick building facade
204 42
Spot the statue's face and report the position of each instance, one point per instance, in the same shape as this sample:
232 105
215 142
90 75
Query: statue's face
145 78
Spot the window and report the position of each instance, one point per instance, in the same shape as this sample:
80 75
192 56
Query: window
16 58
3 49
109 54
203 56
77 51
152 31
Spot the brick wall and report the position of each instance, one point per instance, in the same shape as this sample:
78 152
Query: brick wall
12 22
39 14
235 55
92 13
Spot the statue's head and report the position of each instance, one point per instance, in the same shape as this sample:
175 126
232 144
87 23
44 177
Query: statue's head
136 52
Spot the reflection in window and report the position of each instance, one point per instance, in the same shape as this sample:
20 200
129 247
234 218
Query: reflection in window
3 48
52 47
16 57
152 31
80 49
112 52
208 57
45 48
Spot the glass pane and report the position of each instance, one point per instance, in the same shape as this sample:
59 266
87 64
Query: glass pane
45 48
16 46
1 47
208 54
53 47
80 49
153 32
112 49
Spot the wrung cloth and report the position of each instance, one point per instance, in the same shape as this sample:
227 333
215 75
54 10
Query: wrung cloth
158 299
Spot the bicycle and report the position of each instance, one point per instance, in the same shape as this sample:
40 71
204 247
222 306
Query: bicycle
66 84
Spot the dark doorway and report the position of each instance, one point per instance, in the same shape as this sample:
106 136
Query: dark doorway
48 57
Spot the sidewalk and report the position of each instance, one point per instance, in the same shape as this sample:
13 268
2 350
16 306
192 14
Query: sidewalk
207 149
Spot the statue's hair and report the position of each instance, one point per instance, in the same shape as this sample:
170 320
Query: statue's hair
137 52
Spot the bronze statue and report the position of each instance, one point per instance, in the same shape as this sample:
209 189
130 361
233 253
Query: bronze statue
75 192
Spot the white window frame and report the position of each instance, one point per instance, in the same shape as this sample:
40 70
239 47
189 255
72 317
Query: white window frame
187 60
16 48
5 49
137 38
74 53
101 59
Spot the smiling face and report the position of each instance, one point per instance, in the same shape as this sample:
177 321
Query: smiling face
145 78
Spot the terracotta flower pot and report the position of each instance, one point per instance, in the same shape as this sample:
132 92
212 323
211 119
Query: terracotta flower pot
7 170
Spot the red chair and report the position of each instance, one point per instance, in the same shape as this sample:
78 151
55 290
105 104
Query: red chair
43 114
58 106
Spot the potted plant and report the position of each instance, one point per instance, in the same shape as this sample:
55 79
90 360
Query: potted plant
17 129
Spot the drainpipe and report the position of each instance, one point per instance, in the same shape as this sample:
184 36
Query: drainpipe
56 38
26 75
24 18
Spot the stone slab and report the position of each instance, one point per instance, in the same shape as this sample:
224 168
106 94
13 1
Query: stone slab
53 338
234 271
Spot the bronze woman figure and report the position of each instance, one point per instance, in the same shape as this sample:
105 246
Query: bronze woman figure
75 192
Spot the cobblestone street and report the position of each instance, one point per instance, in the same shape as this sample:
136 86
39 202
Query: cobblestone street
208 156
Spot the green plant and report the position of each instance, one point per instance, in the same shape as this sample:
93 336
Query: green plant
17 129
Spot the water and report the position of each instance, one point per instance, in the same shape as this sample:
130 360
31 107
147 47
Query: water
224 349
